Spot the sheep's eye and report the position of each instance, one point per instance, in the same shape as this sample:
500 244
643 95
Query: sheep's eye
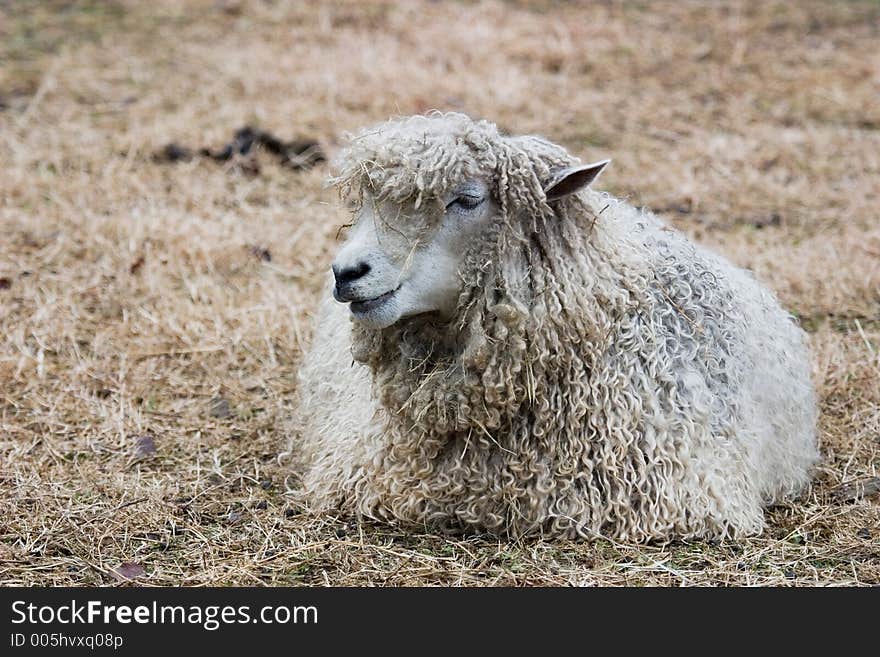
465 202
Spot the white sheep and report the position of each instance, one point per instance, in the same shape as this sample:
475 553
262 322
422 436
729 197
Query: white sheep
521 354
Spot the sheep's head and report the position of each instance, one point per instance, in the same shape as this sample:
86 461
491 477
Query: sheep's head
427 192
400 261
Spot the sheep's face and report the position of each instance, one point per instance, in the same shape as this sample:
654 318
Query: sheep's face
399 261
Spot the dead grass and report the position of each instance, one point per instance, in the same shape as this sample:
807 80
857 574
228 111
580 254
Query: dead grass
136 297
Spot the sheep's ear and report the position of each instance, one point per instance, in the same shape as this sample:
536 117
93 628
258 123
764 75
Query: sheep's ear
572 179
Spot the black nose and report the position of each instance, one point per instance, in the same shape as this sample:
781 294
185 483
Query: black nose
345 278
350 274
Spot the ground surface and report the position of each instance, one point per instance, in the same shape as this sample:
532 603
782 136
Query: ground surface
152 314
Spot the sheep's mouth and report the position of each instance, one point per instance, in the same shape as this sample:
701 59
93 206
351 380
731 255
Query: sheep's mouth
366 305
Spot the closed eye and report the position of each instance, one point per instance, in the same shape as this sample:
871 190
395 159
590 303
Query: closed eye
465 202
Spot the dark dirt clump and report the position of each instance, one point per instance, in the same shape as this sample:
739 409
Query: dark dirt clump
295 154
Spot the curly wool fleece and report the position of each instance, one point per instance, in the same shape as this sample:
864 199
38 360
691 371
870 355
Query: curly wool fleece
602 375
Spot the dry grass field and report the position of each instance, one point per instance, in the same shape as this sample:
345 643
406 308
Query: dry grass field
153 313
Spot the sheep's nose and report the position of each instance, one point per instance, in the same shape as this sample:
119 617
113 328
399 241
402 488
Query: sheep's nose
350 274
345 276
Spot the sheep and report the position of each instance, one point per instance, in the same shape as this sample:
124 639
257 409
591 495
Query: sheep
508 352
